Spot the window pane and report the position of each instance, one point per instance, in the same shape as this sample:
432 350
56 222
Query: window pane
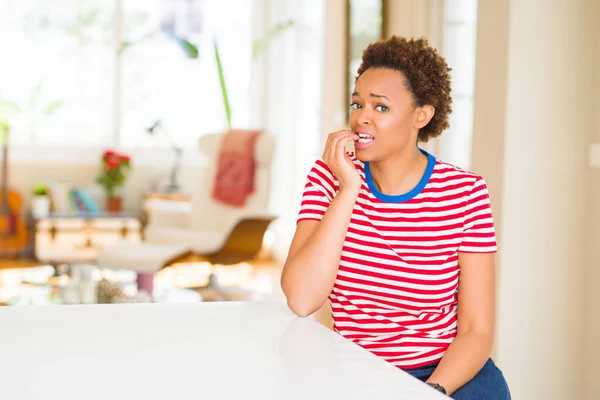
59 71
455 143
365 28
159 82
459 45
461 11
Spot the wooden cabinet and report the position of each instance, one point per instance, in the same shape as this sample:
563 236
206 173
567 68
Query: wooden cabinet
72 238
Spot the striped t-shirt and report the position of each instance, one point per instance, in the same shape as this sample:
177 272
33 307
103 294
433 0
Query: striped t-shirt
396 289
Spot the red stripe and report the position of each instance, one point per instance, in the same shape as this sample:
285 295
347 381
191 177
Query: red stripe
429 262
396 279
348 259
352 293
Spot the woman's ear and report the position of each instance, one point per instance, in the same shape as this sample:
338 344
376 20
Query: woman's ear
423 116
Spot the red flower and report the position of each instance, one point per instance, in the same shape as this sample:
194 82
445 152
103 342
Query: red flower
114 170
112 162
108 153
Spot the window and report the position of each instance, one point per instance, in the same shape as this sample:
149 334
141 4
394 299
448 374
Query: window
365 26
90 73
459 40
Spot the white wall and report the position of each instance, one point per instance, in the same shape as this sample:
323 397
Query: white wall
531 133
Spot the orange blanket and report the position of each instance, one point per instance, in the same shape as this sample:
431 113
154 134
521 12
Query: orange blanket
234 181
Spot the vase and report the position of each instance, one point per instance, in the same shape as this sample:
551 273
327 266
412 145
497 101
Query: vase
40 206
114 204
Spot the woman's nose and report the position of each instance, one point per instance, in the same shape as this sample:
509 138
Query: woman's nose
364 117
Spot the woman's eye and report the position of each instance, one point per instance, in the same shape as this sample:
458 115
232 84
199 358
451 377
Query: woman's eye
381 107
355 106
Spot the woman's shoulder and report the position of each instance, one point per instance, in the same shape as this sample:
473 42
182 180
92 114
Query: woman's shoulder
451 171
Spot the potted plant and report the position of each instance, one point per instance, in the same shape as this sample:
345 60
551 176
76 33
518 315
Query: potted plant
114 169
40 203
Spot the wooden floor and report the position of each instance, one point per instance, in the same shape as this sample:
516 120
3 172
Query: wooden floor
19 263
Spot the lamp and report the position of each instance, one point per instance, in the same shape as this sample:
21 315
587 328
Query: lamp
173 184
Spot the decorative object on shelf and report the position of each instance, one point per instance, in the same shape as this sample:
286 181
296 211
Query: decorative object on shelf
40 202
114 169
113 292
173 185
80 287
70 200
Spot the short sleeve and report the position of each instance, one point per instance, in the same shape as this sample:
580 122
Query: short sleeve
318 193
479 234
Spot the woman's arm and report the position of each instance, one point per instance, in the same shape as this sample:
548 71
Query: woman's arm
311 267
312 264
471 348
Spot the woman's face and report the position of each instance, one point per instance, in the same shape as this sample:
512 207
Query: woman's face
383 110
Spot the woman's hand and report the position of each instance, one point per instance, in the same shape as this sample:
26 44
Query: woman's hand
338 161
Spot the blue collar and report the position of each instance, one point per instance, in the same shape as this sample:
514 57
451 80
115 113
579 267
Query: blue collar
406 196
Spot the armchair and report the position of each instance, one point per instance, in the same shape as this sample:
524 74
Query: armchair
215 232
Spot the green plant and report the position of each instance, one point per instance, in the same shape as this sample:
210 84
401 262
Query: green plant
40 190
222 84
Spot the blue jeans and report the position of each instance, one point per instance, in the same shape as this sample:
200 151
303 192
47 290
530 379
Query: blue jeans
488 384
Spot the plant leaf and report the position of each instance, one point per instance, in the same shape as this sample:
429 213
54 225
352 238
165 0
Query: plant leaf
35 93
189 49
124 45
7 105
4 131
261 43
223 85
53 107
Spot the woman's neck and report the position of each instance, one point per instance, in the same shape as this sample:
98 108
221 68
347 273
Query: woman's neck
400 174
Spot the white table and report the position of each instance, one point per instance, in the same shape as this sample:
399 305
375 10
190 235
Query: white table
187 351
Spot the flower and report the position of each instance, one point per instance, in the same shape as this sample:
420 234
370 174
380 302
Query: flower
108 153
114 168
112 162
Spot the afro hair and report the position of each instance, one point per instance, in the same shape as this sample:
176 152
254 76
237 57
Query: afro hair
426 73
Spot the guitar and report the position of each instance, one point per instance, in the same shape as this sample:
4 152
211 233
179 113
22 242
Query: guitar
13 231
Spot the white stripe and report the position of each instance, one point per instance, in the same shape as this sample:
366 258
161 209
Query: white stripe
399 275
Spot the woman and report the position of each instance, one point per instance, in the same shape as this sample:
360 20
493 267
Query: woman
402 244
